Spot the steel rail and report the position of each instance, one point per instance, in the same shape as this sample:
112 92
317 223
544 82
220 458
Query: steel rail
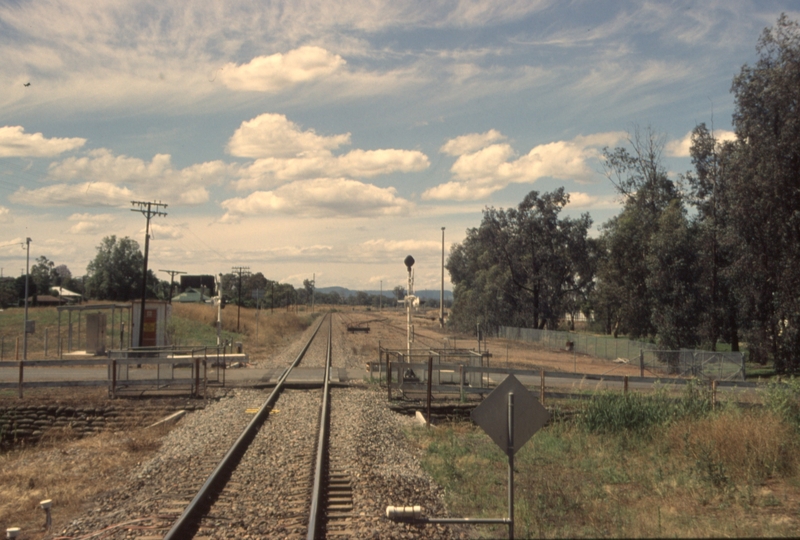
189 522
316 518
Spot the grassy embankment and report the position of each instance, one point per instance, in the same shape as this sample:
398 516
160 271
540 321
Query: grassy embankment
73 471
634 466
190 325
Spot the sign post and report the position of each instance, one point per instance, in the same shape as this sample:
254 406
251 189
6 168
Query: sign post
511 465
510 431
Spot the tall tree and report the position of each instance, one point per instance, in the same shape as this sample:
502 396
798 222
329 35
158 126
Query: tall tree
672 280
765 195
115 273
641 180
42 274
709 186
523 266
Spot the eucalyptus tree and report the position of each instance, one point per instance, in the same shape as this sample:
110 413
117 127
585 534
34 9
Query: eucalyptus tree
709 193
522 266
641 180
764 202
115 272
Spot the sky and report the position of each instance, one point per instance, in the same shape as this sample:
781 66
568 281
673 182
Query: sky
331 138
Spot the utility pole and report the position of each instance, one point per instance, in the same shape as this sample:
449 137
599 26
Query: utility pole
146 209
441 294
313 289
239 269
27 276
172 274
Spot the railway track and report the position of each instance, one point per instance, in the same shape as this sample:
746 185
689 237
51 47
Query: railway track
220 507
282 478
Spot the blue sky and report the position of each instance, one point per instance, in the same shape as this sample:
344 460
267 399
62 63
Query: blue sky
336 137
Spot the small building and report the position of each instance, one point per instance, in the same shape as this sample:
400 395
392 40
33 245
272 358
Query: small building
191 295
46 300
68 296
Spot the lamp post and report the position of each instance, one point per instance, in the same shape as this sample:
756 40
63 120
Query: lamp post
27 276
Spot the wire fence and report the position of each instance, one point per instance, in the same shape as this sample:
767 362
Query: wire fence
725 366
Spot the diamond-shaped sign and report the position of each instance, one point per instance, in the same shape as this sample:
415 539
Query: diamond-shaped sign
492 415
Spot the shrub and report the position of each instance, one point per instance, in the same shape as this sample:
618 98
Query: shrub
782 397
612 412
733 444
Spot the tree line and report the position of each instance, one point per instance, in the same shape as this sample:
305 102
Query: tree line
709 257
115 274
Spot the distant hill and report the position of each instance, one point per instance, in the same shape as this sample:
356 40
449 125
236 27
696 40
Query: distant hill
433 294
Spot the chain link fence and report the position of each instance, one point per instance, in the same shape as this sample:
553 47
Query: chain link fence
725 366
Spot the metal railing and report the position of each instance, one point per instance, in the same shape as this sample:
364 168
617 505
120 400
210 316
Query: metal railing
724 366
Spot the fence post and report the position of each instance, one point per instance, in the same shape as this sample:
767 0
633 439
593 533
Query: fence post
461 381
625 384
113 379
641 363
196 376
389 377
714 395
430 380
16 350
20 380
45 342
541 396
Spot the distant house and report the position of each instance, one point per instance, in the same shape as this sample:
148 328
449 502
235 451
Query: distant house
67 296
46 300
191 295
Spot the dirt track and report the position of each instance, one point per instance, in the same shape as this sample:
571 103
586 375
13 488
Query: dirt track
389 329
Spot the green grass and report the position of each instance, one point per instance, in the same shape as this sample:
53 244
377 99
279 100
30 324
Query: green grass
187 332
685 472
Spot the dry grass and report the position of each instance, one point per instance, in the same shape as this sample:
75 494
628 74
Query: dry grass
75 472
70 472
753 446
261 332
734 473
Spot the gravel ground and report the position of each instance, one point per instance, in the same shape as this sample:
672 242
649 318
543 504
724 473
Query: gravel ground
267 495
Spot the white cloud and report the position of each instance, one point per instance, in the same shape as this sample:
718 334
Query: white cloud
681 147
164 231
273 135
14 142
477 174
336 197
397 247
90 223
85 194
281 71
5 215
102 178
473 142
286 153
580 200
481 12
